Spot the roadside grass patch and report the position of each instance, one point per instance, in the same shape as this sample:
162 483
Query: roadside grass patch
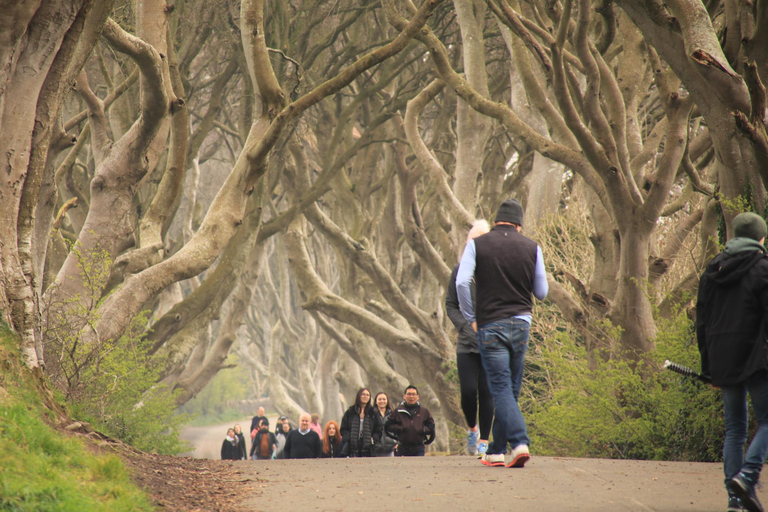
43 470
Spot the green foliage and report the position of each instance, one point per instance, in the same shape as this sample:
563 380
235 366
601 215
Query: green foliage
621 409
111 384
41 470
123 398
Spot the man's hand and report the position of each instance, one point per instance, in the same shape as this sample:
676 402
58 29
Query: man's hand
474 326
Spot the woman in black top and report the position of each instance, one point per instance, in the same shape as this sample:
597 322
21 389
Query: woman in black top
229 448
360 427
386 445
331 440
243 453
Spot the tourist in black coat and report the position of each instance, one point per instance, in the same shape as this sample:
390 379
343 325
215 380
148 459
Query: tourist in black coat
243 454
331 440
360 427
229 448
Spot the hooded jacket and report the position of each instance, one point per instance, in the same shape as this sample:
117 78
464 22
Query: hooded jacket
732 311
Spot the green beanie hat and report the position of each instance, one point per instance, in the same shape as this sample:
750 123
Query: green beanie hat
749 225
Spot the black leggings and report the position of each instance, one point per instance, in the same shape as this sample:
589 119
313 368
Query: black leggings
474 384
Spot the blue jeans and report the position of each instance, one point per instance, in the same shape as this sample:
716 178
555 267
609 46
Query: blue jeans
502 347
735 407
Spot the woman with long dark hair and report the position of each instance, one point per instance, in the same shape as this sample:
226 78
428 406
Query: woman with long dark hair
331 440
360 427
386 445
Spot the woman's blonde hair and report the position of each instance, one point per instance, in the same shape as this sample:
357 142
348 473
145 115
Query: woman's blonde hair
479 227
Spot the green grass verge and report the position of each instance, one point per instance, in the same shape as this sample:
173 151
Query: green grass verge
43 470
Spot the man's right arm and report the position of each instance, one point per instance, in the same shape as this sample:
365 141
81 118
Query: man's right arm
463 281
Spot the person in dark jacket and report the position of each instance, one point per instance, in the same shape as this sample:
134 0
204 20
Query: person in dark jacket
264 443
411 424
229 448
360 427
256 420
331 440
508 271
303 443
243 454
386 445
731 316
473 384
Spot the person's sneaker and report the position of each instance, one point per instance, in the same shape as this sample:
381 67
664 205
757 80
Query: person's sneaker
493 459
482 448
734 504
743 487
472 438
519 456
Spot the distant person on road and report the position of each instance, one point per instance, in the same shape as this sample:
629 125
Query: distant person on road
411 424
314 424
473 383
229 448
731 316
386 445
243 454
360 426
264 443
508 271
260 414
331 440
282 438
303 443
279 424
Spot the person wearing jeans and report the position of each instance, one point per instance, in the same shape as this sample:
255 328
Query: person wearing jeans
731 329
502 348
508 271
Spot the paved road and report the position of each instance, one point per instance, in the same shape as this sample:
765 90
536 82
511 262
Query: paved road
207 440
461 483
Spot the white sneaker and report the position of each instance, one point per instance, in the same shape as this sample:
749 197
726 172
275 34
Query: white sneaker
492 459
519 456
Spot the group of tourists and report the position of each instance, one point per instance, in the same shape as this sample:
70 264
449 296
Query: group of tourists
368 429
489 300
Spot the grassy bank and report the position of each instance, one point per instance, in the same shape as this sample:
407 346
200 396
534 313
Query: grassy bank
42 469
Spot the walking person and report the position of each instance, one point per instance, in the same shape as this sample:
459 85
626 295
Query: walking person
731 316
473 383
411 424
229 448
508 269
282 437
331 441
243 453
260 414
314 424
303 443
386 445
360 426
264 442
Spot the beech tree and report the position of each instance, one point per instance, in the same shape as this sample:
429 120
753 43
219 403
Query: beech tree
293 181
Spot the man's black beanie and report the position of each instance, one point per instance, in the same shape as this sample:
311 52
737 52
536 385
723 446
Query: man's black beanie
749 225
510 211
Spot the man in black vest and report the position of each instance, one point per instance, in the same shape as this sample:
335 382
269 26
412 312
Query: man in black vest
508 269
